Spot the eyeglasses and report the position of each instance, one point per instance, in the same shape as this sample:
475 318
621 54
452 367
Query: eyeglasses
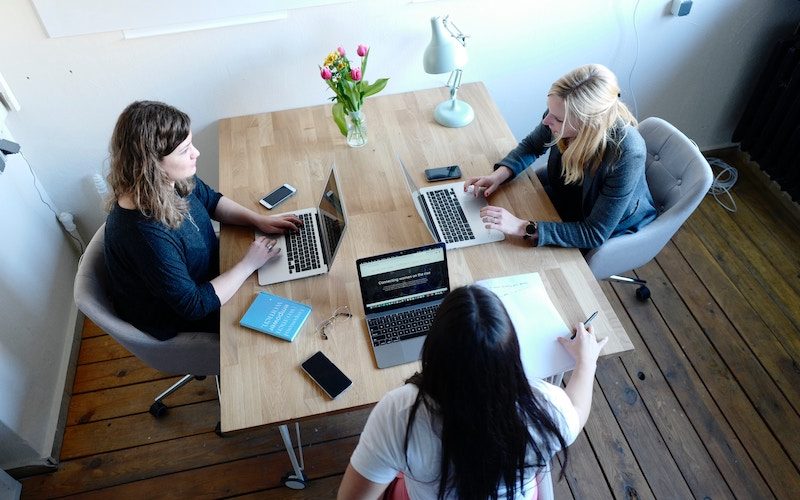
327 325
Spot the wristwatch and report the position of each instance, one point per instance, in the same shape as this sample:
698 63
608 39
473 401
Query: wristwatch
531 229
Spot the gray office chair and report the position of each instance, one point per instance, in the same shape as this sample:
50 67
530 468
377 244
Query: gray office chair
192 353
678 177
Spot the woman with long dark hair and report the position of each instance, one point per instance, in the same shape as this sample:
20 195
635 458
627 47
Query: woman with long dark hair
470 424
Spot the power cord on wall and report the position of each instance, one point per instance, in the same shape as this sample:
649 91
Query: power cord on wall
64 218
635 60
723 182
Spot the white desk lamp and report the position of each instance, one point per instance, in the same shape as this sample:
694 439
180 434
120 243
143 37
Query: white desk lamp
447 52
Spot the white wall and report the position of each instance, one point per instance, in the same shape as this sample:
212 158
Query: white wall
38 317
695 71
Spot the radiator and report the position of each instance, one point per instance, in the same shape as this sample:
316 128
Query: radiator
769 129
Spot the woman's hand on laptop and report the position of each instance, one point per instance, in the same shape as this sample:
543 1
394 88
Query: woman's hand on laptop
277 224
261 251
501 219
487 184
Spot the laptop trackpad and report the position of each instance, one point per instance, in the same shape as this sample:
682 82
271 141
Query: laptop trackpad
412 349
398 353
389 355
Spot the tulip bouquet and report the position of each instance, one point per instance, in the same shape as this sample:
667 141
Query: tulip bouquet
348 84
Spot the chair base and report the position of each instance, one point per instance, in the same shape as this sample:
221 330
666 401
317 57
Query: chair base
642 293
158 409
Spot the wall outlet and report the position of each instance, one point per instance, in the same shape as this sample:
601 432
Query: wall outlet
681 7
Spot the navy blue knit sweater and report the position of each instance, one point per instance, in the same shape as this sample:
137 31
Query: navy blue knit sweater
160 277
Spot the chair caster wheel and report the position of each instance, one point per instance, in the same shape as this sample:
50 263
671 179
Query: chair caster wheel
642 293
218 430
158 409
291 481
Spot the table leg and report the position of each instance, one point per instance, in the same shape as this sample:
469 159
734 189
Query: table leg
295 480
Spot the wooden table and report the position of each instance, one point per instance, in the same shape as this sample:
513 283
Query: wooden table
261 379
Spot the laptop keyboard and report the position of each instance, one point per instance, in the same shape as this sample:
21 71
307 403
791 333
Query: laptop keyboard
401 326
452 220
301 247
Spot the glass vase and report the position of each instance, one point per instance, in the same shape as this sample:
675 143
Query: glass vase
356 129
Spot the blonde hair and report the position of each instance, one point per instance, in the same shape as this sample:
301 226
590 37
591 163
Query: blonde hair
593 108
145 133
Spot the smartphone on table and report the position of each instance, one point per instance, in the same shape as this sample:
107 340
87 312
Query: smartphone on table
443 173
327 375
278 196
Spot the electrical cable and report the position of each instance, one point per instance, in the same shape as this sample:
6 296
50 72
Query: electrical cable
35 185
635 60
724 180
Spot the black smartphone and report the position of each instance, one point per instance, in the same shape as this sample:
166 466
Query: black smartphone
443 173
326 374
278 196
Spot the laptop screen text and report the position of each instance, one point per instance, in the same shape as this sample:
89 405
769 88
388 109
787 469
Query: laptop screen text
408 279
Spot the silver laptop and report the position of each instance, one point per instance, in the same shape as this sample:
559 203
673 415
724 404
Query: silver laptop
452 216
311 251
401 293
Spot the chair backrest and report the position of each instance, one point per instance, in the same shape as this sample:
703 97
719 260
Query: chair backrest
678 177
195 353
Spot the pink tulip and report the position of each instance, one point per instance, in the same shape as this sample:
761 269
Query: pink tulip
325 73
362 50
341 51
355 74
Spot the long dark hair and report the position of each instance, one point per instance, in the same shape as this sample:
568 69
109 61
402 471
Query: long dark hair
145 133
494 426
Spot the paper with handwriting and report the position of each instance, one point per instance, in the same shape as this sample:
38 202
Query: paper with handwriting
537 322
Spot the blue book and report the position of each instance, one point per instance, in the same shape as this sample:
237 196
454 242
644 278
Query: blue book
276 316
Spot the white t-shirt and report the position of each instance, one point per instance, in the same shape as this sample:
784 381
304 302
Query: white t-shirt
380 453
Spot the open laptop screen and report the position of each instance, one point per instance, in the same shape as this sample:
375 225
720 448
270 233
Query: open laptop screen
332 218
403 278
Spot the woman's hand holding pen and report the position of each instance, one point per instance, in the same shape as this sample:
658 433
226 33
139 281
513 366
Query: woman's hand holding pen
583 346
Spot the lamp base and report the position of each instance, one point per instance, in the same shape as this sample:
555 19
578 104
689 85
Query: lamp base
453 113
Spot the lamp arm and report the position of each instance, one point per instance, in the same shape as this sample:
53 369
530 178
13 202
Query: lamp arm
454 31
454 82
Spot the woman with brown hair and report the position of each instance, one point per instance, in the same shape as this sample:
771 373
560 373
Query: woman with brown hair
161 250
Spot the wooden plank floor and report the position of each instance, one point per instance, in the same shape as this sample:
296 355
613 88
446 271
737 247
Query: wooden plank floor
707 406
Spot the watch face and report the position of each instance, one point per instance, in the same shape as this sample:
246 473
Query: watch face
530 229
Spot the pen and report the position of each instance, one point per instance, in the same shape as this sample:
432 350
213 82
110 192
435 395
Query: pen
586 323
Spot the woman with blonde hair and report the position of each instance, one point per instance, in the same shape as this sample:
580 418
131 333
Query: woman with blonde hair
595 173
161 251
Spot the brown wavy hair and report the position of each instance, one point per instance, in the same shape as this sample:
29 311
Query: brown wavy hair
591 99
145 133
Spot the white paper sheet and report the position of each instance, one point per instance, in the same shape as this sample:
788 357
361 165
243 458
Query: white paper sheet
537 322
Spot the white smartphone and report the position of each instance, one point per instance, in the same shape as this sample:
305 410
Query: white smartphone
278 196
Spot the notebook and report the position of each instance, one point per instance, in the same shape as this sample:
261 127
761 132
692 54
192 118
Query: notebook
452 216
311 251
537 322
276 316
401 292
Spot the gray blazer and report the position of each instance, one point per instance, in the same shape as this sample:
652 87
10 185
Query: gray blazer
614 200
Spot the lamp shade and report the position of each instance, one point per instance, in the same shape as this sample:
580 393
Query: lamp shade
444 53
